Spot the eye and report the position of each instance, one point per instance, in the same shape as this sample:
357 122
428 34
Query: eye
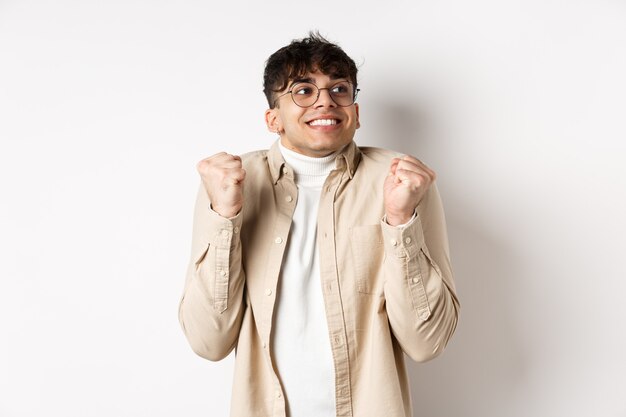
341 89
303 89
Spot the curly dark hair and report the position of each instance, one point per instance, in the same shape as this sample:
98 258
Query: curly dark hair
310 54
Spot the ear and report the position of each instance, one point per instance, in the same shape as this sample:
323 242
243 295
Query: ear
356 109
272 120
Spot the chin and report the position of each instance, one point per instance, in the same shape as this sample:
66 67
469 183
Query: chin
330 143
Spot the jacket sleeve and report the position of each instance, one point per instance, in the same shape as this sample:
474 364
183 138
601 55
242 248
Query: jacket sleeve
421 301
212 306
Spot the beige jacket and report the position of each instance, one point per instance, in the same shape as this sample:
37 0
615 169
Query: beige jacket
386 290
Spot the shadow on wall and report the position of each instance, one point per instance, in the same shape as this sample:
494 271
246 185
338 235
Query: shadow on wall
484 363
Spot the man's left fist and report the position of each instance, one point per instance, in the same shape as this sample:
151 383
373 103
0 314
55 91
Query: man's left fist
404 187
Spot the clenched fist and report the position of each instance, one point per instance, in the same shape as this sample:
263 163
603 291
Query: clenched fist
222 175
404 187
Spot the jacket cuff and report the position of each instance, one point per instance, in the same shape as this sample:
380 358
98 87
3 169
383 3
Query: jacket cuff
404 240
221 230
223 236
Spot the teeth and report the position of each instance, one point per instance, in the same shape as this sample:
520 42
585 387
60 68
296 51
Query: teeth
323 122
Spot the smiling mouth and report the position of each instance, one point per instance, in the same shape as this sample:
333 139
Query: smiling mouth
323 122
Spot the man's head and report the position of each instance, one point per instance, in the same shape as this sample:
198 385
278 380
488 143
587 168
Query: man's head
310 86
311 54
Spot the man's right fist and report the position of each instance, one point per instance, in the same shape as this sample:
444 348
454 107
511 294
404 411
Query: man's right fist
222 175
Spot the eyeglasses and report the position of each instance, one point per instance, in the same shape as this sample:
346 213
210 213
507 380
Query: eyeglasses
306 94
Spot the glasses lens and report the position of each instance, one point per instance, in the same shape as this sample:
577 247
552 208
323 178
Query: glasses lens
342 93
304 94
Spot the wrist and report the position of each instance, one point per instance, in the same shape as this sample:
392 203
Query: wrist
226 212
398 219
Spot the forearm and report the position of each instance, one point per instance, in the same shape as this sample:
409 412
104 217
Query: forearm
211 307
419 289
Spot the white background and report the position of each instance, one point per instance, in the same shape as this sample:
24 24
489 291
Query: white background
105 108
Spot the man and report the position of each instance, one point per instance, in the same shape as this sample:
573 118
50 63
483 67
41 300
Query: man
322 263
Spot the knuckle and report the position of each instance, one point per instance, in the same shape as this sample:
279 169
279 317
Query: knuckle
223 172
202 166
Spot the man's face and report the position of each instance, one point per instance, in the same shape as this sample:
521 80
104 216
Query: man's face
318 130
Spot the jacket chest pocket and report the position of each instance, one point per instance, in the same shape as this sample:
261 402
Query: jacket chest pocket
366 244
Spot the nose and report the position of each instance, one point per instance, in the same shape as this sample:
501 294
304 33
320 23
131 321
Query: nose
324 99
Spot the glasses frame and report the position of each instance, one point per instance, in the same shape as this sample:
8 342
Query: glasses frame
319 90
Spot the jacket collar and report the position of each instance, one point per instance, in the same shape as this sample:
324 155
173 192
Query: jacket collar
348 159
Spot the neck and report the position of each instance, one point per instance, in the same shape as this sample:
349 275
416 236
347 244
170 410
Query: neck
308 171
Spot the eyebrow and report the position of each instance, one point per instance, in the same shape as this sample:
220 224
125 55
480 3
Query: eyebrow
312 81
303 80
